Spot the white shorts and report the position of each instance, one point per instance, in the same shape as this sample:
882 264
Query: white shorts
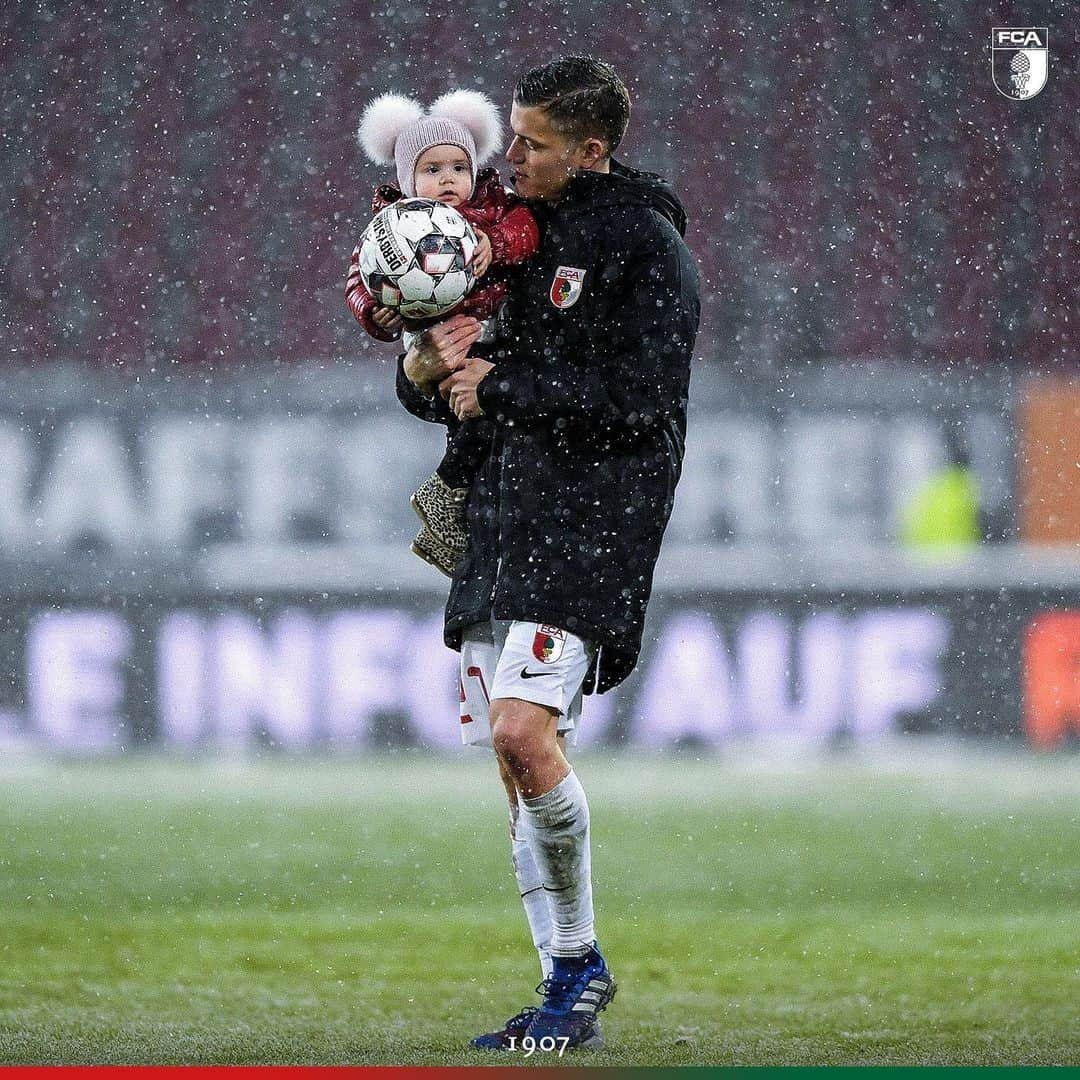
530 661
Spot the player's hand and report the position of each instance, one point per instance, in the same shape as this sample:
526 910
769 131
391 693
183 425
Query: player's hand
440 350
459 388
387 319
482 255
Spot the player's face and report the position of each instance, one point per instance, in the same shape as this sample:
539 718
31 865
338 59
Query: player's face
443 174
542 159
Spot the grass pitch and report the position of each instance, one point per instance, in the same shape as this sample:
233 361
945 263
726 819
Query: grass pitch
847 911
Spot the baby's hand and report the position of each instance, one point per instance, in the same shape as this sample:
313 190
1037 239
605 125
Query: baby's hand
387 319
482 255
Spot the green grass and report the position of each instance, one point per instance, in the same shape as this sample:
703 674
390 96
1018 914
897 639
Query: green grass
844 912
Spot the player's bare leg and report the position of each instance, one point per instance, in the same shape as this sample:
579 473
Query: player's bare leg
524 736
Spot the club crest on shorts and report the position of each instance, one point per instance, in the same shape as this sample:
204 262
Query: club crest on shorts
566 288
548 643
1019 60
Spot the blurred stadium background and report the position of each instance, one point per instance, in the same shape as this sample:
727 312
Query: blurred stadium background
204 476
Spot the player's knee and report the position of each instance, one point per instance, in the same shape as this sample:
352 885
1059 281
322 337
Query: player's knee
508 731
517 730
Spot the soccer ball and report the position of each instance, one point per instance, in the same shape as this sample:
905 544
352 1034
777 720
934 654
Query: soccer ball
416 256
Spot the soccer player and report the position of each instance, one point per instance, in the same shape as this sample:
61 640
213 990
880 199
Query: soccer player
588 402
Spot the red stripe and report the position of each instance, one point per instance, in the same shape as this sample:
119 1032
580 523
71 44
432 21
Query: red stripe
248 1072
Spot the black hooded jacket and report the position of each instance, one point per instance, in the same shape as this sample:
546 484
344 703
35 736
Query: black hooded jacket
588 399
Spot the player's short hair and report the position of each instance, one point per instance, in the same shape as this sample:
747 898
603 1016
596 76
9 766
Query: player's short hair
582 97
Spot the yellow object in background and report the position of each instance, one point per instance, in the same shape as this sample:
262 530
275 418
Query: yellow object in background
944 513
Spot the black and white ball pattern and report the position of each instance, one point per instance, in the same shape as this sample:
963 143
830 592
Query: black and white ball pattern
416 257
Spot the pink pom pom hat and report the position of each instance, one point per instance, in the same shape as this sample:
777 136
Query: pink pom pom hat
395 130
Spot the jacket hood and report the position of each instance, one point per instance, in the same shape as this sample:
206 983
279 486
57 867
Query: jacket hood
624 185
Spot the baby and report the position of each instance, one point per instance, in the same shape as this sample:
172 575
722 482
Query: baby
437 156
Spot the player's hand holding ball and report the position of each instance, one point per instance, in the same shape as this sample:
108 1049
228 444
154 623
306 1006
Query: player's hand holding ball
440 350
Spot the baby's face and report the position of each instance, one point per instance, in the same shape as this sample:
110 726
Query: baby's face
442 173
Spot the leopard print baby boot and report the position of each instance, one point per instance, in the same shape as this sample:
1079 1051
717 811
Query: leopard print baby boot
442 510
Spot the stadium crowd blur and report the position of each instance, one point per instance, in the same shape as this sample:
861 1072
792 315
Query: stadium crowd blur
182 184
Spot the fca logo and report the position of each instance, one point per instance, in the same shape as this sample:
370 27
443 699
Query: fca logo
1018 39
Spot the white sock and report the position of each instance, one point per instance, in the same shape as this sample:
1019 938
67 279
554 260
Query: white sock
558 833
533 897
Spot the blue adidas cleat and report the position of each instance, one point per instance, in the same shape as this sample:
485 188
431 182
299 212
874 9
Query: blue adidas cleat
577 991
512 1030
